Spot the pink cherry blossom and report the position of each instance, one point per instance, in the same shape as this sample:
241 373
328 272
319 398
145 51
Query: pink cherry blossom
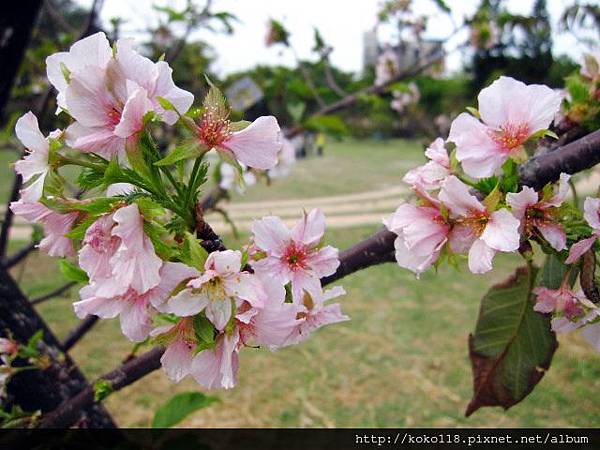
109 96
99 246
561 301
591 208
134 307
155 78
218 291
481 232
271 324
217 368
294 255
511 112
430 175
135 264
180 341
34 166
92 51
56 226
422 233
540 216
317 314
256 146
104 119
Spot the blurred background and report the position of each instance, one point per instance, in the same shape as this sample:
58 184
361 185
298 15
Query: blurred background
396 73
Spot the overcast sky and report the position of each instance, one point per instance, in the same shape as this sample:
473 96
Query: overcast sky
341 22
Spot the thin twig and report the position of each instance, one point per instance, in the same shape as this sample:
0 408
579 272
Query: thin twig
78 332
55 293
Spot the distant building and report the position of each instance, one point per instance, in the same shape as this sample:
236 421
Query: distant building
408 53
370 49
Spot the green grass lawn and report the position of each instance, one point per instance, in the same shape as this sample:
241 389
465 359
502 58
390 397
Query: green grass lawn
346 167
401 361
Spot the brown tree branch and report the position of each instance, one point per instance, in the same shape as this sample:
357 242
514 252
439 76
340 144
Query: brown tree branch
19 255
75 335
571 158
55 293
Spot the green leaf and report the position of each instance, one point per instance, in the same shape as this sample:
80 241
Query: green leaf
179 407
205 331
492 199
95 206
512 345
71 272
510 178
186 151
193 253
90 178
156 232
102 389
486 185
165 104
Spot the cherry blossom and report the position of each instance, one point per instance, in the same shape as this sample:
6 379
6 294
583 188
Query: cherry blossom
317 314
561 301
480 232
135 307
217 368
180 341
34 166
56 226
271 324
109 96
257 145
591 208
294 255
92 51
422 233
134 264
430 175
511 112
220 289
541 215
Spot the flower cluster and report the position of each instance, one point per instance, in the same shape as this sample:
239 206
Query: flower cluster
469 201
136 233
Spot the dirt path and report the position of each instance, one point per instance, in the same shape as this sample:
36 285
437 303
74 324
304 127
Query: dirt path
342 211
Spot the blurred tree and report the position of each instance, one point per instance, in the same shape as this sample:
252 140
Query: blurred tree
510 44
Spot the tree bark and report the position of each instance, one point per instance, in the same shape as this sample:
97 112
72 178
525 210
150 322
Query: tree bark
16 25
43 390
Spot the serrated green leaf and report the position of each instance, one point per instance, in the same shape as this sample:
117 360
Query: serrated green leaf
95 206
179 407
71 272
